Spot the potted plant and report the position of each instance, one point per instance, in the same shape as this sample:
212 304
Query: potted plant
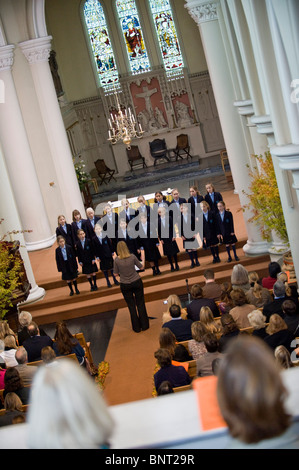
14 285
265 205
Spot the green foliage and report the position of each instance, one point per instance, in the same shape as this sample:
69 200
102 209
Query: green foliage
10 267
264 200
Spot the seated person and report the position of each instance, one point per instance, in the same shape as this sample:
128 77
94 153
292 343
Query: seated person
274 269
279 294
35 343
180 328
199 301
65 343
176 375
204 363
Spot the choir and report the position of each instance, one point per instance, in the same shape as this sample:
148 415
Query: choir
147 231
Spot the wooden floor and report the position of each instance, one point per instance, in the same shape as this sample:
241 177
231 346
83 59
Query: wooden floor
131 355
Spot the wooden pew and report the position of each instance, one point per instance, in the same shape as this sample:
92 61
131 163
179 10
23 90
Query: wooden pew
182 388
68 356
86 346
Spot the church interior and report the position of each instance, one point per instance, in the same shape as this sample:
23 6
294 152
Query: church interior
95 100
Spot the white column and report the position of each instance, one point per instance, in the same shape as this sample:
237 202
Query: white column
20 166
9 213
37 53
206 16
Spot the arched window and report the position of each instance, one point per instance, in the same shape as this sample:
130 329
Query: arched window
167 35
100 43
133 36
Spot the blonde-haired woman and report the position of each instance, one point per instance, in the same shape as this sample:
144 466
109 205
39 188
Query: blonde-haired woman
196 345
131 286
258 321
208 320
257 294
173 299
283 357
278 333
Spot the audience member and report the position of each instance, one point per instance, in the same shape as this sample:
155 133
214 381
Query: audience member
291 290
5 329
180 328
283 357
178 352
241 308
239 278
176 375
36 342
193 309
291 316
196 345
65 343
65 397
225 304
2 372
13 383
257 295
13 408
204 363
258 321
279 293
208 320
274 269
278 333
229 331
215 365
10 347
165 388
211 289
25 318
26 372
251 397
173 299
48 355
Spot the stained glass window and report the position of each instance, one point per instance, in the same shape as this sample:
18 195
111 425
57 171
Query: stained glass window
167 35
100 43
133 36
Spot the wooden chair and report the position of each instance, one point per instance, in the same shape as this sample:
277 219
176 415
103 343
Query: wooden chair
183 388
185 344
86 346
182 147
224 158
104 172
40 363
134 157
192 368
158 149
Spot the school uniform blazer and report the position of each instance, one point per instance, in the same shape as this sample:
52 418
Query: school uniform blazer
71 256
104 249
190 224
131 242
174 208
85 255
75 229
168 228
148 210
150 238
89 228
124 215
199 198
210 228
213 205
68 235
225 227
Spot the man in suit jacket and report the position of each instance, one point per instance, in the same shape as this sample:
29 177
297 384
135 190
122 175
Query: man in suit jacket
26 373
180 328
35 343
193 309
279 293
211 289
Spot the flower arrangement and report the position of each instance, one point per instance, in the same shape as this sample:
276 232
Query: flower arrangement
264 200
10 272
103 370
82 175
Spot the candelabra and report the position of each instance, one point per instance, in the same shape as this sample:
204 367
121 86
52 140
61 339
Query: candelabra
123 126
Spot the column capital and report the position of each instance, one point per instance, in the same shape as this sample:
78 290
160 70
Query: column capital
37 50
6 57
245 107
202 11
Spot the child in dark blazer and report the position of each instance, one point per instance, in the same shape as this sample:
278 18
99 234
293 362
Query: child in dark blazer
148 242
87 259
187 224
104 252
210 231
212 197
166 234
67 264
65 230
226 231
77 224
